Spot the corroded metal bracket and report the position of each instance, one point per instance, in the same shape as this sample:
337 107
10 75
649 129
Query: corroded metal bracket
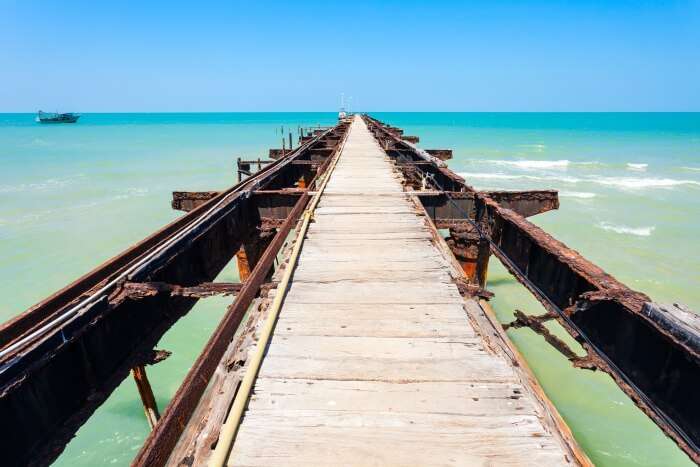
63 357
652 361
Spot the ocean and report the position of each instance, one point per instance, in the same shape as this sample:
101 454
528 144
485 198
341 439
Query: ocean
71 196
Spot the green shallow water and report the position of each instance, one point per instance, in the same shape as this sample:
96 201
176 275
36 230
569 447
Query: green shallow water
72 196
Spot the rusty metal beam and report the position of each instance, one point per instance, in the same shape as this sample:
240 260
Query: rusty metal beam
160 443
189 200
162 440
442 154
60 378
526 203
276 204
450 208
62 358
471 251
655 367
277 153
139 290
536 323
150 407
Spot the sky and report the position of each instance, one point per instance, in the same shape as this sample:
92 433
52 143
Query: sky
150 56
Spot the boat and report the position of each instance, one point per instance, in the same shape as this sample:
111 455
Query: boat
55 117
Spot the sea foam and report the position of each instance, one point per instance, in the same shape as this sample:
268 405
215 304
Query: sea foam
630 183
577 194
622 183
502 176
533 164
49 184
623 229
637 167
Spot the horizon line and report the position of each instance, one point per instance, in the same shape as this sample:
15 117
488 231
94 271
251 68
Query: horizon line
363 111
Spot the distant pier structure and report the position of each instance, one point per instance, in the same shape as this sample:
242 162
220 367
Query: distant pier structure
360 332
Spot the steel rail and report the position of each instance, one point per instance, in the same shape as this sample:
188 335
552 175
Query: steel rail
233 420
522 277
73 312
161 441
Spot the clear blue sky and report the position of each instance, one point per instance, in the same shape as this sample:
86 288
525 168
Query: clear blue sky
391 55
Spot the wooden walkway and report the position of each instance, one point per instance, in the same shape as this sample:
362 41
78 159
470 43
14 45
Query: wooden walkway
376 358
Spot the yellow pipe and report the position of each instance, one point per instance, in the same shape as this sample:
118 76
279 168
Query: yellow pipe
230 427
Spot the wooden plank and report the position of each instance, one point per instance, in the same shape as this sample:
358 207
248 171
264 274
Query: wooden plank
455 398
372 292
304 438
382 359
367 320
373 360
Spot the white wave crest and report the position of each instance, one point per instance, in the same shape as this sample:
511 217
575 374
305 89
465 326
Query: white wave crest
532 164
630 183
637 167
623 229
620 183
49 184
502 176
577 194
691 169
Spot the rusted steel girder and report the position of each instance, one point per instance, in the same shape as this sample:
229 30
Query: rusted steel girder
645 355
163 439
139 290
161 442
450 209
63 357
652 366
526 203
472 251
442 154
189 200
150 407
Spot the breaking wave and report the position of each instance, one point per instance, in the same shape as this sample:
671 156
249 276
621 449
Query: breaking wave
577 194
502 176
532 164
623 229
629 183
50 184
637 167
623 183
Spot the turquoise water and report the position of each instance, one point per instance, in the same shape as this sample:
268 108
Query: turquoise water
71 196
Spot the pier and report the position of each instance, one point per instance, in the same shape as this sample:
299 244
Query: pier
373 358
360 333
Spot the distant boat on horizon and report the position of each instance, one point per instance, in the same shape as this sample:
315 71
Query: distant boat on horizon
55 117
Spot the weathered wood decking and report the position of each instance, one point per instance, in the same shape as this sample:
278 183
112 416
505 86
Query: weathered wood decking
376 358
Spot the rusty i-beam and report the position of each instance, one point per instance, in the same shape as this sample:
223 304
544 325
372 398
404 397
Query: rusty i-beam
62 358
650 350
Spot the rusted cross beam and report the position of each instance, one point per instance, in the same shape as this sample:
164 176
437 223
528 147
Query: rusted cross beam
139 290
63 357
645 356
189 200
